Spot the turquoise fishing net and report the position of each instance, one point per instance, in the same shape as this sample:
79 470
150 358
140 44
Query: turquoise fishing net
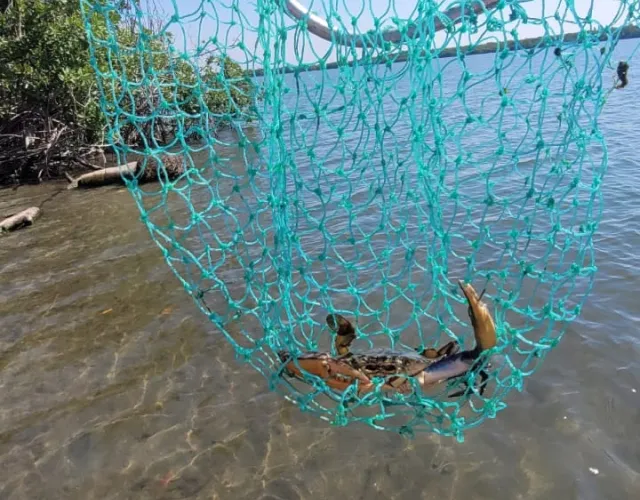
367 174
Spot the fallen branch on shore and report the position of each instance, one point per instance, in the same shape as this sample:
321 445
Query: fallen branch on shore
20 220
105 176
145 170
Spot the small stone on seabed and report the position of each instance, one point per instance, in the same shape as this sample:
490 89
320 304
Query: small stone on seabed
633 390
594 471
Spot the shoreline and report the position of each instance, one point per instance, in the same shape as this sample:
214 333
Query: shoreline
528 44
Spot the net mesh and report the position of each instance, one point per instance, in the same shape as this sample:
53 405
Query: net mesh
366 174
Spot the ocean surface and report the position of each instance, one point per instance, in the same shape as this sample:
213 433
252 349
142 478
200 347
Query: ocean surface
113 384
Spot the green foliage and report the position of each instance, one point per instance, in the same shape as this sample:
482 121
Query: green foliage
44 65
45 70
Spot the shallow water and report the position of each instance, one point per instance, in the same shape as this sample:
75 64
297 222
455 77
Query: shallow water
114 385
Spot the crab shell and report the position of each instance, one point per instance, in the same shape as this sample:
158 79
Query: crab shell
340 373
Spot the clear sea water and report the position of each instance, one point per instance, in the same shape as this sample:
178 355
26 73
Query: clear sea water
114 385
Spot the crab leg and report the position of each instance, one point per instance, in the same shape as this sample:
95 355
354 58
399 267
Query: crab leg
446 350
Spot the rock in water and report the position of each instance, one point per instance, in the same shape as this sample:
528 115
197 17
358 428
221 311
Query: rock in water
20 220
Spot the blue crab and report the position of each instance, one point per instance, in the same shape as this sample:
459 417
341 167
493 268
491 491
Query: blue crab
428 367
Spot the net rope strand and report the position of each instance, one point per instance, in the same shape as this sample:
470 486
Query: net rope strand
360 157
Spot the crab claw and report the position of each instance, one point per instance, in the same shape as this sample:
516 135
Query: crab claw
345 332
484 328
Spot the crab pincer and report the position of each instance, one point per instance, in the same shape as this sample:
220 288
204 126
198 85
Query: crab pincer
458 365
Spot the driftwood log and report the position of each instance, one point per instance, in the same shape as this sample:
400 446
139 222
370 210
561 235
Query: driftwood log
106 176
20 220
145 171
